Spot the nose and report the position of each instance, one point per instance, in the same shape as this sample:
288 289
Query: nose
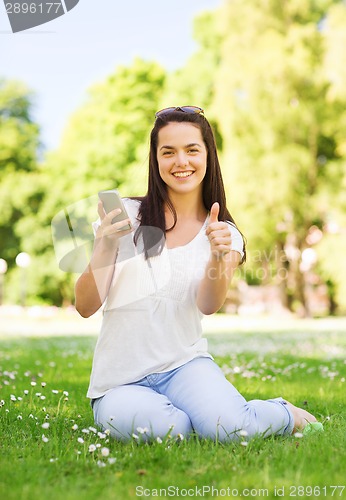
182 159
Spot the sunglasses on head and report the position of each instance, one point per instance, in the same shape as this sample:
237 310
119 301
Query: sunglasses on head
184 109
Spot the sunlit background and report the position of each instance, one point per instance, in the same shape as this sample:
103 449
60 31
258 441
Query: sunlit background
77 101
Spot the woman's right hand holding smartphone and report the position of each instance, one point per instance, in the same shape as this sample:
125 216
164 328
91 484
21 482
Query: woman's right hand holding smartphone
93 285
108 233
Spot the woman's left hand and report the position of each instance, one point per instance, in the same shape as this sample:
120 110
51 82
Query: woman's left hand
218 233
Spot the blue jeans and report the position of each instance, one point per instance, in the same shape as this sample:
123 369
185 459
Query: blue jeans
195 397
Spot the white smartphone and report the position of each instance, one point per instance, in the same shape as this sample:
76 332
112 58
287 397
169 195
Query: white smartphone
111 200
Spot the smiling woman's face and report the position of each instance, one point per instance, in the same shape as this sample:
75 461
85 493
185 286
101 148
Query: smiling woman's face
182 157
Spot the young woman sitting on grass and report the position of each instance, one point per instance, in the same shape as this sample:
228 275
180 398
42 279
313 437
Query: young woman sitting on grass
151 367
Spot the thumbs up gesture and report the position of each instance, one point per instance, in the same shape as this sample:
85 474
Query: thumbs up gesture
218 233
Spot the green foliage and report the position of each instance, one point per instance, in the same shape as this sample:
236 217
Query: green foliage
103 147
193 84
331 252
19 142
18 133
103 139
280 115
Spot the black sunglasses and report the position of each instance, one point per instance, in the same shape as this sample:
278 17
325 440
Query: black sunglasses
184 109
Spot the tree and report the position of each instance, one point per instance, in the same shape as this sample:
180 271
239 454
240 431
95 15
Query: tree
282 128
104 146
19 145
194 83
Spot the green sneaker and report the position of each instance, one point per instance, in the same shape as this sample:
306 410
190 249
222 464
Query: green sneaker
312 427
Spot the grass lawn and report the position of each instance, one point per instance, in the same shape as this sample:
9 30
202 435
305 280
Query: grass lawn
47 428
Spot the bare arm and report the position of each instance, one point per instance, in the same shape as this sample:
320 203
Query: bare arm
92 286
213 288
220 268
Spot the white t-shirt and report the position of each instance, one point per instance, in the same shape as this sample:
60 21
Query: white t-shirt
151 323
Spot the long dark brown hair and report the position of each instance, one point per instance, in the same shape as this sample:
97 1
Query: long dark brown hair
151 212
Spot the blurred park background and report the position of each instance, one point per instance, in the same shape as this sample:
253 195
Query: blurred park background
271 76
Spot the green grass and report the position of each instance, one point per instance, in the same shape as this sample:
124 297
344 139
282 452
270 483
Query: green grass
307 368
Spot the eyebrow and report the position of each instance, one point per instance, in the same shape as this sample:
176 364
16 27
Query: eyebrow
187 146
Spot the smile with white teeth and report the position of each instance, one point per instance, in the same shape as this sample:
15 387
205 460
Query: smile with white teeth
183 174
